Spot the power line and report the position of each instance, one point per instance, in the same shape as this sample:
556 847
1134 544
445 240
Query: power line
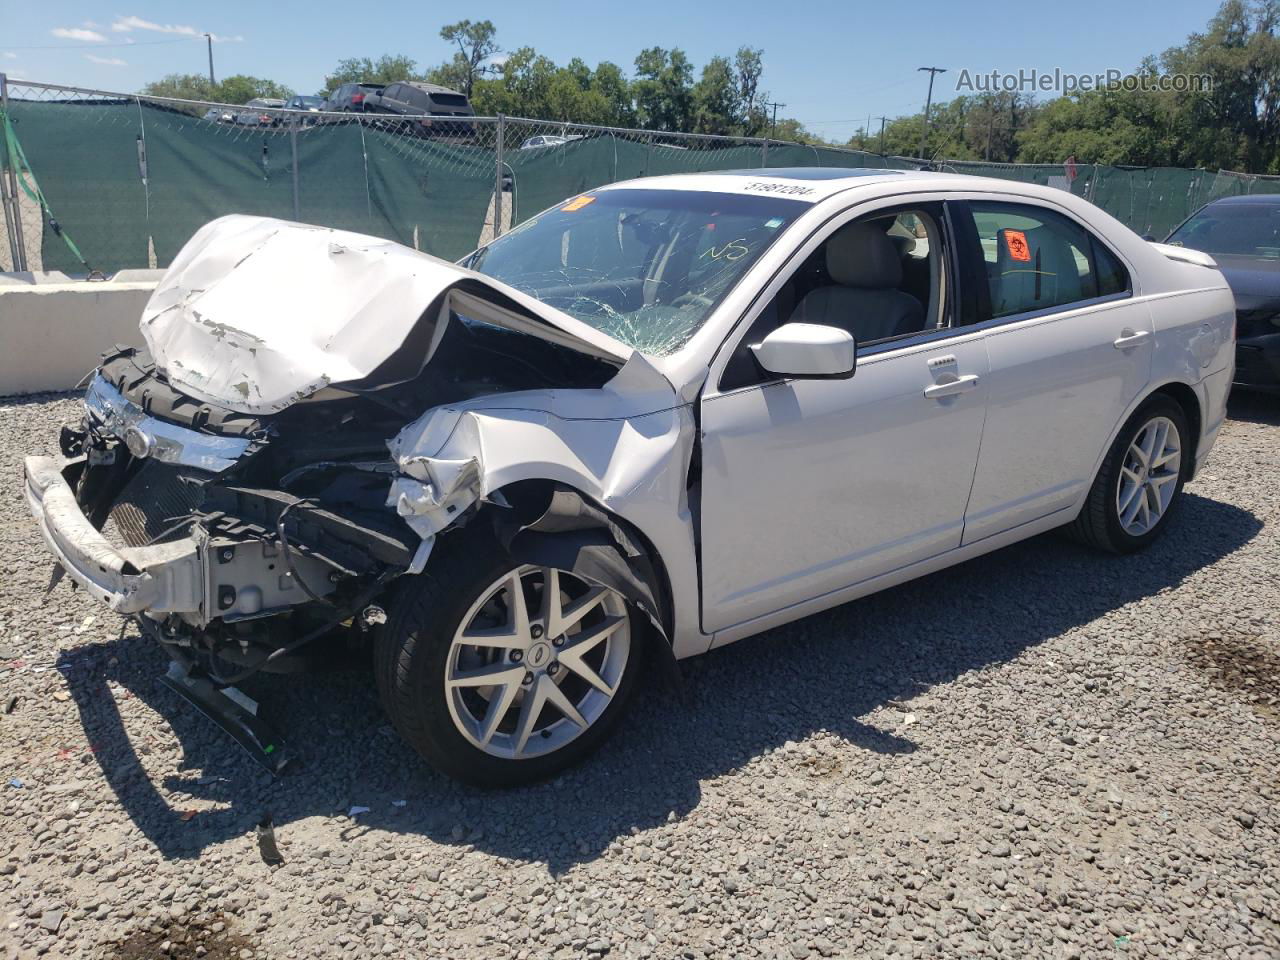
99 46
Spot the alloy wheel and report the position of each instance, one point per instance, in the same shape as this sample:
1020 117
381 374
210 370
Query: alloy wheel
1149 476
536 661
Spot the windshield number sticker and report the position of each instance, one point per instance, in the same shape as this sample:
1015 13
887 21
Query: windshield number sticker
788 189
577 203
1015 242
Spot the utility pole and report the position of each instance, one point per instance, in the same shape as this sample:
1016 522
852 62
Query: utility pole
882 120
774 122
212 83
924 134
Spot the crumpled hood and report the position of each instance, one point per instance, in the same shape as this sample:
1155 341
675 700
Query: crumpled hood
255 313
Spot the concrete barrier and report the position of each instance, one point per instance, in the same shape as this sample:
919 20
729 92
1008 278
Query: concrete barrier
53 329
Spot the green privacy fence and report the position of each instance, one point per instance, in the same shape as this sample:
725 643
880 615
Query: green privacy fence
129 179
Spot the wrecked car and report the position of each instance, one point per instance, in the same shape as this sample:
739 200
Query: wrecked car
656 418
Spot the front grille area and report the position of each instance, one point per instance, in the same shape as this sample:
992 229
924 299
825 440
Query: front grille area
153 503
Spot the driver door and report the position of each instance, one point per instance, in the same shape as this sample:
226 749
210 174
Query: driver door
813 485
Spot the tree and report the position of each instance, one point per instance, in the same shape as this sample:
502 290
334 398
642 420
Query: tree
748 64
663 90
386 69
476 46
715 98
237 89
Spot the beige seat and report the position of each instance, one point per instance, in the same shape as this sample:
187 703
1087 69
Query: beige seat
864 264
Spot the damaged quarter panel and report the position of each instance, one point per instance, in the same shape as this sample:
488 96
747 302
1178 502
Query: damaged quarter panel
626 446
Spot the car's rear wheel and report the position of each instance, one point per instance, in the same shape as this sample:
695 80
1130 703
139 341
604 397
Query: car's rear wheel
501 673
1140 481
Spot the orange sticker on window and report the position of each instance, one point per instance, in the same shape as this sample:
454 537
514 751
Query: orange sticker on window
1016 242
577 203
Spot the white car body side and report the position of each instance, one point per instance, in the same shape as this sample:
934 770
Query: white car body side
836 506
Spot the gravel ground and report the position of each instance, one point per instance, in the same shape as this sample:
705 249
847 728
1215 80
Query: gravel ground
1045 752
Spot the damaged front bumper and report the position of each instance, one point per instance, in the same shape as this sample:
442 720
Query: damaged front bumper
197 578
163 578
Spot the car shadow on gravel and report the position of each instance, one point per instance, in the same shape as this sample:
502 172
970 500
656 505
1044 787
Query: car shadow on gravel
824 673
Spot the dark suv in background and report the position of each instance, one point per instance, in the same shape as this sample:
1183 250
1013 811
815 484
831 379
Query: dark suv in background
352 97
428 109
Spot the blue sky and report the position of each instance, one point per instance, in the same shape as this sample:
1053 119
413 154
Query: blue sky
831 64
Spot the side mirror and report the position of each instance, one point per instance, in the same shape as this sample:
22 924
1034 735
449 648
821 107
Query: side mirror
808 351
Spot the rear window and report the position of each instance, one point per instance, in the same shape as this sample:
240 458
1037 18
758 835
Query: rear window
1037 259
449 99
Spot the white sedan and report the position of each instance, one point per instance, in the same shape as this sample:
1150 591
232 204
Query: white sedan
657 418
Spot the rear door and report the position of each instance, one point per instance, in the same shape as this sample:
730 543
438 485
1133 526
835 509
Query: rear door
1069 351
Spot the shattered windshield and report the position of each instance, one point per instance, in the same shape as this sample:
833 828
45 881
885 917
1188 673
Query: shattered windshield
646 267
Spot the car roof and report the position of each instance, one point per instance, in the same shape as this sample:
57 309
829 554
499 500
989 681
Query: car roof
1259 199
431 87
808 173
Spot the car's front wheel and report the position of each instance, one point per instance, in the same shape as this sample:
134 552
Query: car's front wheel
501 673
1140 481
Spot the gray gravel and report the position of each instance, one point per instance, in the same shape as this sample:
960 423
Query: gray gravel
1045 752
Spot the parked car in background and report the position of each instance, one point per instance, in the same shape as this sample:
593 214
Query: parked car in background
303 102
351 97
1243 236
654 419
255 113
548 140
220 114
427 108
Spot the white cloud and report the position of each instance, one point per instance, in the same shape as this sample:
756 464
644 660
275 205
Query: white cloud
106 61
77 33
131 23
128 24
7 55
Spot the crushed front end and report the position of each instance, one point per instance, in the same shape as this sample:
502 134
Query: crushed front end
240 543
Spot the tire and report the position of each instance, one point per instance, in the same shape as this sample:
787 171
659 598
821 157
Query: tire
415 655
1101 522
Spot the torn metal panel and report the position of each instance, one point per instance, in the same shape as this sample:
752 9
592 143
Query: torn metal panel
625 446
225 329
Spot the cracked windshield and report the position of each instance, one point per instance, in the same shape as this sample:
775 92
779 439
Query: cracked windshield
646 267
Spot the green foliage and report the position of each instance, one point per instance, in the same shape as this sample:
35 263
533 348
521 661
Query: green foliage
234 89
386 69
1233 125
476 47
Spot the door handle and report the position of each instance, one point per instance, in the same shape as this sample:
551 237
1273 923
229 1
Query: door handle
952 386
1129 338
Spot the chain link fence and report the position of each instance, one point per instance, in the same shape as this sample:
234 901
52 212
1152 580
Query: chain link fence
97 182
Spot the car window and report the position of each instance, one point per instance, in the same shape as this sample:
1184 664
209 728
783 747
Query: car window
1242 229
1036 259
392 92
449 99
881 278
416 98
645 266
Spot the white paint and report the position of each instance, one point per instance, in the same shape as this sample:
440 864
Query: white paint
813 491
255 314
